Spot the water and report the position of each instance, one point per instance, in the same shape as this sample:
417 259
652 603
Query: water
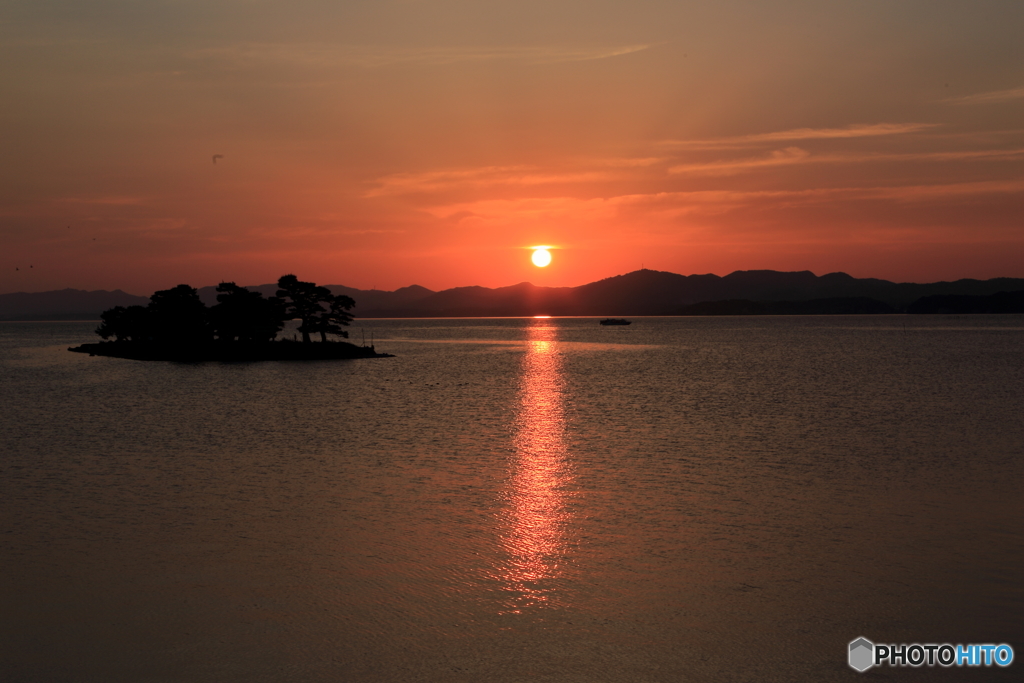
516 500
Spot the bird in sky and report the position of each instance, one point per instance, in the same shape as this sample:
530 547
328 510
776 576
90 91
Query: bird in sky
217 156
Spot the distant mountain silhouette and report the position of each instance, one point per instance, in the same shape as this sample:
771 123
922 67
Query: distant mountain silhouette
651 292
1000 302
64 304
642 292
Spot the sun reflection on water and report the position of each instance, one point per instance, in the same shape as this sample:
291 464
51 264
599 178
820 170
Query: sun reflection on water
536 519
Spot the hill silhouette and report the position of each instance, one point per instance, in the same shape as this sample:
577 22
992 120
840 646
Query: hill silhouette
651 292
1000 302
64 304
642 292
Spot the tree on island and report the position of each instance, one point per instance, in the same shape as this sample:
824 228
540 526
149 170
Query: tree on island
244 316
178 316
305 301
242 326
173 316
125 324
338 314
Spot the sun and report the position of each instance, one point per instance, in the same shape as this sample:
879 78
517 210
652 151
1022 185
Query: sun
541 257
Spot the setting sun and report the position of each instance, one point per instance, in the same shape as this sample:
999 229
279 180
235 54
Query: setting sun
541 257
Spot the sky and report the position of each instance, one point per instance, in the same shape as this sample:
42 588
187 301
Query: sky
385 143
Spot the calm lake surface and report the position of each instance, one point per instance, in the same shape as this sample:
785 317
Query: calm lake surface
683 499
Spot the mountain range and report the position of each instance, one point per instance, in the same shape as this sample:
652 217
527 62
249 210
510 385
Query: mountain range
642 292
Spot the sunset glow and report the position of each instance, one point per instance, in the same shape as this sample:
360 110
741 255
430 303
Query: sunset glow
380 145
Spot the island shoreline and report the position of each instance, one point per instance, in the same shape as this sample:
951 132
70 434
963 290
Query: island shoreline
231 352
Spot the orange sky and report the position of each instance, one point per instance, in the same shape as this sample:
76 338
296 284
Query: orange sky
390 142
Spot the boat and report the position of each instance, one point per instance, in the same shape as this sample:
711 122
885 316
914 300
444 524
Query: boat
615 321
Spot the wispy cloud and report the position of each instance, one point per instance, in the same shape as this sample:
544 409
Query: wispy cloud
661 206
922 192
780 157
452 55
630 163
993 97
831 194
110 200
851 131
488 176
326 55
794 155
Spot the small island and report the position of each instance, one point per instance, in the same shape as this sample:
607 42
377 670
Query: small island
243 326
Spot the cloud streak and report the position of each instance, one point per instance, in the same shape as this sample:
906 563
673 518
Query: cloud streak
326 55
672 205
994 97
796 134
111 200
794 155
492 176
781 157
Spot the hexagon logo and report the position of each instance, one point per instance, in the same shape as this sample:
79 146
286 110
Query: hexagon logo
862 654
